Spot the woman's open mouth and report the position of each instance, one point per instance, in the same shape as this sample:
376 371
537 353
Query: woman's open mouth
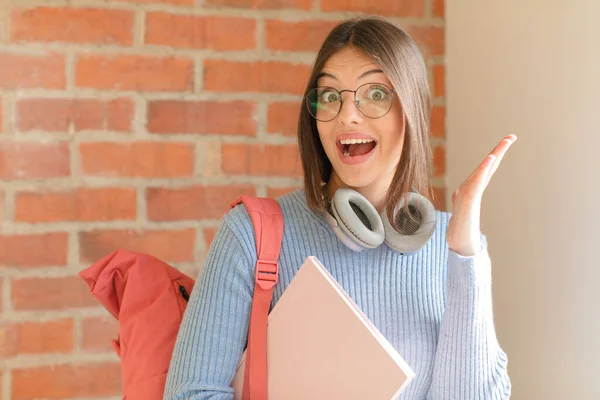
355 151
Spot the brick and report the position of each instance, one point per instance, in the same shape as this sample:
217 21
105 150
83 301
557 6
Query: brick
296 36
22 71
168 245
58 115
202 117
137 159
98 332
132 72
31 160
67 381
438 121
262 4
51 293
174 2
439 162
34 250
273 192
201 32
119 115
194 202
72 25
261 160
438 8
430 39
282 118
258 76
412 8
36 337
439 80
82 204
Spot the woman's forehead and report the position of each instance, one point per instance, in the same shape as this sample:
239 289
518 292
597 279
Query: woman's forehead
350 66
349 60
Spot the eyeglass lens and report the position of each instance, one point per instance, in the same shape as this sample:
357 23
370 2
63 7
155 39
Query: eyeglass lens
373 100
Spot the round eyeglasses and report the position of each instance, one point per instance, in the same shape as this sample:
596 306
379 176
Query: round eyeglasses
373 100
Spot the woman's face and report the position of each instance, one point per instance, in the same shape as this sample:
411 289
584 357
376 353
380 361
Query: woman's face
369 165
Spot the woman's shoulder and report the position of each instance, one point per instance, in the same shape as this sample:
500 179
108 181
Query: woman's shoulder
293 205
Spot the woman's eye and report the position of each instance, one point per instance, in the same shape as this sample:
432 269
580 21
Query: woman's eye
329 96
377 94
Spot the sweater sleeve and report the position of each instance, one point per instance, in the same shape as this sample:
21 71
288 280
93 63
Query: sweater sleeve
469 363
213 333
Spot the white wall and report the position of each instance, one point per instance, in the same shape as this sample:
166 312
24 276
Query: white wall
533 68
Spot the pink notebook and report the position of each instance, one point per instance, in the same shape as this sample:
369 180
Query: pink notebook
321 346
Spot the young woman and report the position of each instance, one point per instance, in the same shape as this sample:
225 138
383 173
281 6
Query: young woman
363 131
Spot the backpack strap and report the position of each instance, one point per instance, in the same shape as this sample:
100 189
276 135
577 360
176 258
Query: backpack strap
267 220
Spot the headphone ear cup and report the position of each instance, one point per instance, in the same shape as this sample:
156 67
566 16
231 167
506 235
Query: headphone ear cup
415 228
358 222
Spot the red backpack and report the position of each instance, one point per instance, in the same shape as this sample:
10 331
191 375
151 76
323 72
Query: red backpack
148 297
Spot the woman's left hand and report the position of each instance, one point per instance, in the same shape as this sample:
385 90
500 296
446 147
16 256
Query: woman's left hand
464 234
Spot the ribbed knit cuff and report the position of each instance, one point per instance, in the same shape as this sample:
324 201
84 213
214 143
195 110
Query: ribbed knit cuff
470 271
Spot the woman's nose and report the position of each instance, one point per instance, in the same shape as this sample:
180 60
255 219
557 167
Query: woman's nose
349 112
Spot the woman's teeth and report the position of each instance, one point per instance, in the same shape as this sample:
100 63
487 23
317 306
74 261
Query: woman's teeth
347 142
355 141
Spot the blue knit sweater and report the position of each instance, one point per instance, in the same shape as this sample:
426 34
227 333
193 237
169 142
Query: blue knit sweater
435 307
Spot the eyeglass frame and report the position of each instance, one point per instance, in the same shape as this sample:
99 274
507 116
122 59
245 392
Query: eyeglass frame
306 100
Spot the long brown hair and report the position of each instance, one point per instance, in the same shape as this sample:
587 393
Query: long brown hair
401 61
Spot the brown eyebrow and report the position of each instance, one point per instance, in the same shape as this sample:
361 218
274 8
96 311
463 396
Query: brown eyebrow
369 72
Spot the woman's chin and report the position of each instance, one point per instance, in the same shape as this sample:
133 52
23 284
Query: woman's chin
356 179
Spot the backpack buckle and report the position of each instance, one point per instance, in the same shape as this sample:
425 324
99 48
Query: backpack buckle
267 273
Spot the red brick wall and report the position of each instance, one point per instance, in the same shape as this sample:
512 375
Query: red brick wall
134 124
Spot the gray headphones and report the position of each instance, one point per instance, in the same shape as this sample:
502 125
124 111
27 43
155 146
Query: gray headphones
359 226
